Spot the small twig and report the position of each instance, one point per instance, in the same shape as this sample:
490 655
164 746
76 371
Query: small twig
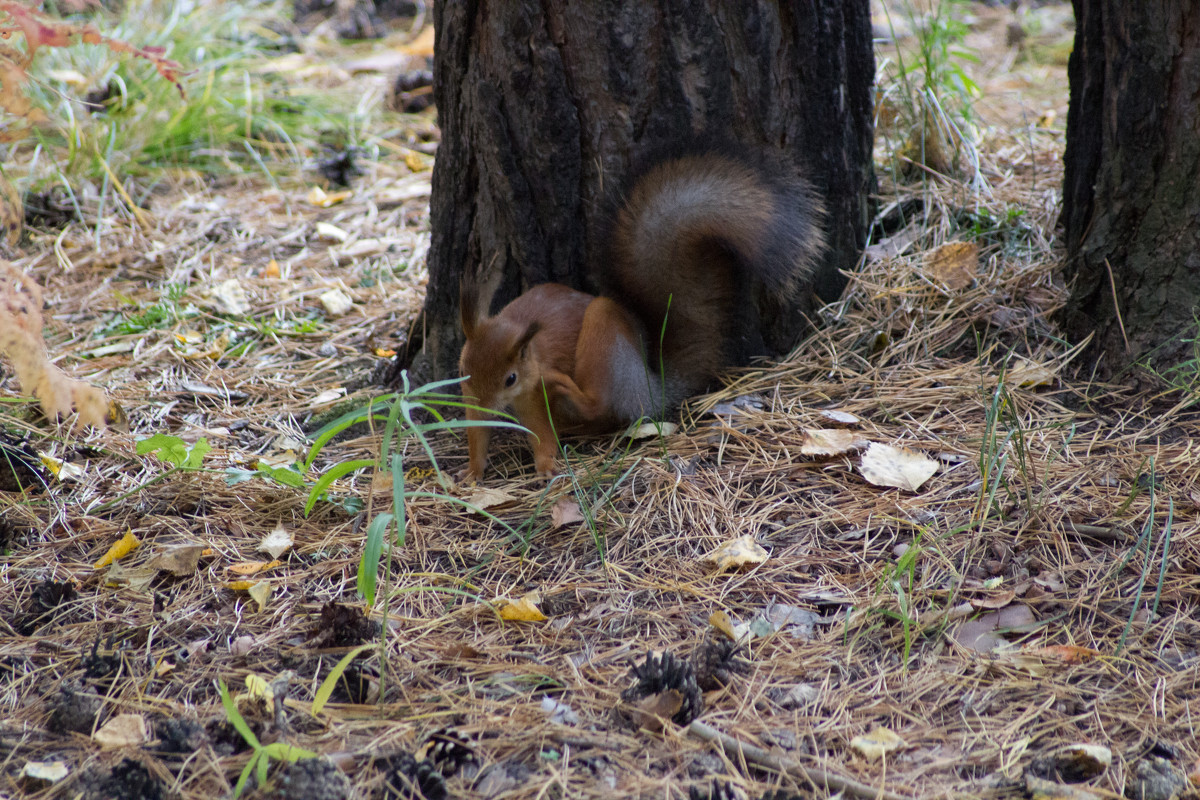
1116 306
814 775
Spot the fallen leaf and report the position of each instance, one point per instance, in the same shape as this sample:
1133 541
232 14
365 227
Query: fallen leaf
831 442
884 465
1029 374
271 270
123 547
321 199
484 499
983 634
257 687
996 600
1076 763
740 552
276 543
799 622
137 579
252 567
328 396
181 560
835 417
45 771
559 713
123 730
565 512
650 713
336 302
243 645
232 297
877 744
331 232
954 265
523 609
651 430
721 621
260 593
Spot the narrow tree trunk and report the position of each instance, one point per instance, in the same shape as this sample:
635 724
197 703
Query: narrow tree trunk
543 107
1131 195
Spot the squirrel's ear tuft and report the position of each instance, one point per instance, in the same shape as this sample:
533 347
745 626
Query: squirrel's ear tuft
521 347
468 306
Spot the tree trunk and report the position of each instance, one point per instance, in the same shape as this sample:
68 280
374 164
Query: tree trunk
1131 193
543 107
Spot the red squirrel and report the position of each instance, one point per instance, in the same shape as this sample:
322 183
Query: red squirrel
687 248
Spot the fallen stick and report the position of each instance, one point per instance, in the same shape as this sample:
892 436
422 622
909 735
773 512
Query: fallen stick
814 775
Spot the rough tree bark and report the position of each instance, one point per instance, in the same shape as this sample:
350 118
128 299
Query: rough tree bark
1131 194
543 107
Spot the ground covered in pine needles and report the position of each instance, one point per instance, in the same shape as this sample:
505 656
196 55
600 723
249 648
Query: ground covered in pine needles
1027 612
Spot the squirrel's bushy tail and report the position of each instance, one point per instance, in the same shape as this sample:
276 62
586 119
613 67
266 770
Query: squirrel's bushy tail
698 233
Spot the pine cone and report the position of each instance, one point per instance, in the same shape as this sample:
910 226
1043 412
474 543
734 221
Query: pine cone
665 673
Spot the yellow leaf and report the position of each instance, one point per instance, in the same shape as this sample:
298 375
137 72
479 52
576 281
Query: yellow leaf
261 593
322 199
271 270
252 567
721 621
127 544
383 352
257 686
523 610
240 586
417 162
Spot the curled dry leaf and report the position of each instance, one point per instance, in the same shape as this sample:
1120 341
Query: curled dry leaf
277 542
650 713
841 418
877 744
336 302
21 340
121 548
260 593
831 442
565 512
740 552
884 465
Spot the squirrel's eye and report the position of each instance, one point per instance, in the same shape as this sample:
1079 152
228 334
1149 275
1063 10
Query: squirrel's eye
510 380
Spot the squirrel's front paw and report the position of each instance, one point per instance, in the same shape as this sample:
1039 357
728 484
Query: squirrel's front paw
468 475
